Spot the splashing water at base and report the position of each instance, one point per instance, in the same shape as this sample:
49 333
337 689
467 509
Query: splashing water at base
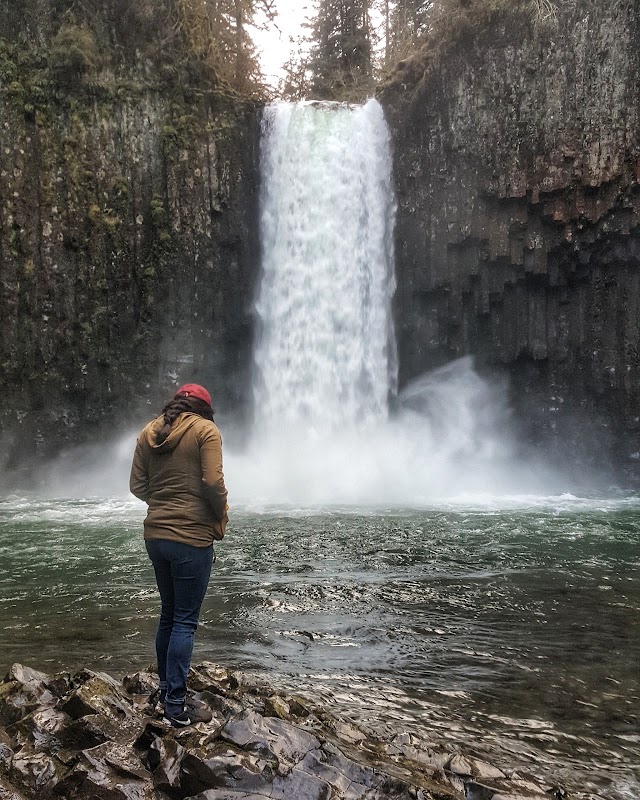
449 438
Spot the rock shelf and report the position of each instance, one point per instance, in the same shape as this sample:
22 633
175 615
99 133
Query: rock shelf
91 736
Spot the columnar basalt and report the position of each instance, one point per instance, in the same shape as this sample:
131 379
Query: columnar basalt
127 225
517 148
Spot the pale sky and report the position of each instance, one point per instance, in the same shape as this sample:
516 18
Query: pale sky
275 44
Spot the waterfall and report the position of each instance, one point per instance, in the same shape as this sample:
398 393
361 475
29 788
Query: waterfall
326 350
325 354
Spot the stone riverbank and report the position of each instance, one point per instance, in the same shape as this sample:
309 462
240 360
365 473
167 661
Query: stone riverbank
91 736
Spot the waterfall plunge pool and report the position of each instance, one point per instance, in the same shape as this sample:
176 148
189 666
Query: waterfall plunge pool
510 628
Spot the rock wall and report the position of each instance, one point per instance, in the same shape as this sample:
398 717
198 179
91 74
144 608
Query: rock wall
128 199
517 147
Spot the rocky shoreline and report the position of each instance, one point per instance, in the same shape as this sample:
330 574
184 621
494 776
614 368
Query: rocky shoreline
91 736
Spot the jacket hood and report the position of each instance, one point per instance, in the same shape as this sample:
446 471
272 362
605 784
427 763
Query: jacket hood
180 426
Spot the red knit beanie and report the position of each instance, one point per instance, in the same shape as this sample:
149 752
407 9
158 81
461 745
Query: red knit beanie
194 390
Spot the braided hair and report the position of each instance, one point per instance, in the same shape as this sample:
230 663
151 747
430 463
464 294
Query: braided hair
180 405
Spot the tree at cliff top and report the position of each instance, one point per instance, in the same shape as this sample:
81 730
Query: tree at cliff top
294 85
406 22
407 25
196 41
340 62
218 31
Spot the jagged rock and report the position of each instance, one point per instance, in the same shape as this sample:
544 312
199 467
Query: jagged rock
501 796
478 791
249 683
301 785
17 700
226 794
108 772
102 784
42 727
298 707
225 707
348 733
460 766
165 761
457 783
524 786
27 676
357 774
210 677
318 763
8 792
60 685
33 772
483 771
6 757
115 752
272 738
228 767
417 750
275 706
144 682
121 758
98 694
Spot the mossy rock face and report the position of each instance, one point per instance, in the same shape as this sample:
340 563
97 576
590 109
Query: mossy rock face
127 253
73 57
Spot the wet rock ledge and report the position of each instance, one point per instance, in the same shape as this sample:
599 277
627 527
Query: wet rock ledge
90 736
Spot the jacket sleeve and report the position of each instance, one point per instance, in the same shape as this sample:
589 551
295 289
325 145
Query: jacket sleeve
214 489
139 478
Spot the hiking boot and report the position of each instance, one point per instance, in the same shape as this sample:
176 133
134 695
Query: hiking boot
192 713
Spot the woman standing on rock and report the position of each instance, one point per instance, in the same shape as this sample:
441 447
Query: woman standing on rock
177 471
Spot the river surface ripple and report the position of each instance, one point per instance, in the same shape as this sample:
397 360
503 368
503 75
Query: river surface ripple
510 628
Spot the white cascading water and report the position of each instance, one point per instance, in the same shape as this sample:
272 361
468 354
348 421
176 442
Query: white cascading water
325 360
326 353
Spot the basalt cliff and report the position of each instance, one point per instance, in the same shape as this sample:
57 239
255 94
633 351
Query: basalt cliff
128 201
517 169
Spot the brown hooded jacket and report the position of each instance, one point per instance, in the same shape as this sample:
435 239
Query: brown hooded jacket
181 480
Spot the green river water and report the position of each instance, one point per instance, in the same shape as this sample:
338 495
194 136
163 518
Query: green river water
510 628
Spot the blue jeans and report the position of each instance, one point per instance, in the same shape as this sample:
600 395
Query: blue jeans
182 574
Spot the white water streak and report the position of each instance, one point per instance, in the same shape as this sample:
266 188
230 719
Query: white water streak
326 353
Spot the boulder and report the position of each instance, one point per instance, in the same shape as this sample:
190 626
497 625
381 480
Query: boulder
98 693
8 792
33 772
276 740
